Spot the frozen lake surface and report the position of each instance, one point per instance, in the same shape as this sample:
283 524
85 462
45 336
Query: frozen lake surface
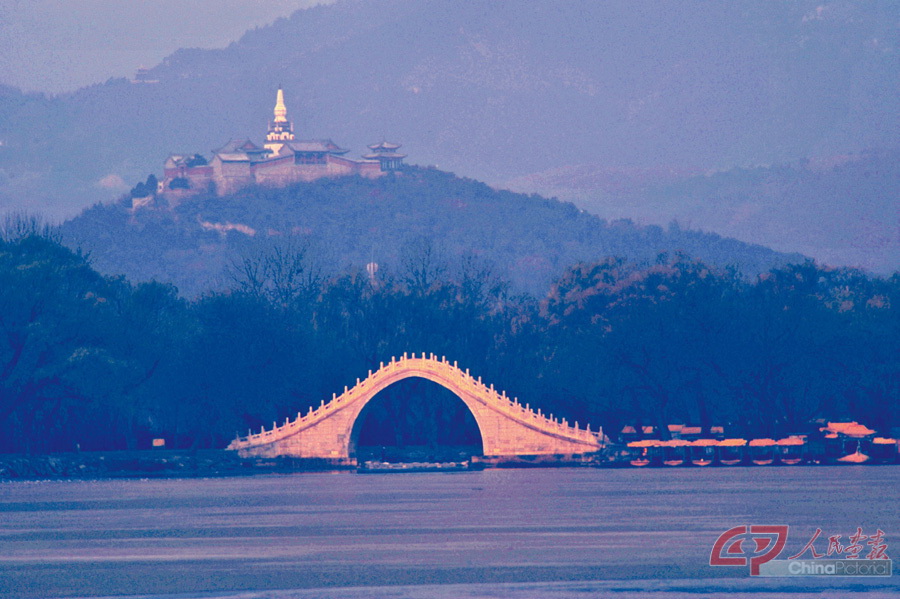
540 533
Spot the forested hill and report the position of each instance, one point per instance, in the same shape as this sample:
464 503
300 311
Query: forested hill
492 90
350 222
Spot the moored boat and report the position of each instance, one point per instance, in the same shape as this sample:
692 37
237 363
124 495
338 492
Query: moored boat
883 450
703 452
762 451
731 451
790 450
645 453
674 451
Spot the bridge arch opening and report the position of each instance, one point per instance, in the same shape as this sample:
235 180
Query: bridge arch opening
415 420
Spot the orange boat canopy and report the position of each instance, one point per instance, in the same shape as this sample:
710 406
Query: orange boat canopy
762 442
732 443
675 443
792 441
705 443
644 443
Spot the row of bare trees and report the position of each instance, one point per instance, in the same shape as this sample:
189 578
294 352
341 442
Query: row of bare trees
98 363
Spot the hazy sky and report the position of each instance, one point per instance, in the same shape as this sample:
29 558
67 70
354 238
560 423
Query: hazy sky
61 45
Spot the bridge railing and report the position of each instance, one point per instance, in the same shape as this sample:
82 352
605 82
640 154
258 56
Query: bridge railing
441 368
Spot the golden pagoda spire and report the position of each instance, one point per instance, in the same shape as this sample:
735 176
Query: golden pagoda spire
280 108
281 130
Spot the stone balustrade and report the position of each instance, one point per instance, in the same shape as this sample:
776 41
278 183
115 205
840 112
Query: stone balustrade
486 403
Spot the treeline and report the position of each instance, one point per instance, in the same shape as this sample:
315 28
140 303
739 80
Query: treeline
100 363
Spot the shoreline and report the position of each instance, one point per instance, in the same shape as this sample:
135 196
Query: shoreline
212 463
87 465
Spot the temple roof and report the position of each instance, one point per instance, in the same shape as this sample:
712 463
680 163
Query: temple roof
189 160
239 145
177 159
381 155
233 156
384 145
316 145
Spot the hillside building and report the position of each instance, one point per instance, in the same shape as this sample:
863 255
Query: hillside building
282 160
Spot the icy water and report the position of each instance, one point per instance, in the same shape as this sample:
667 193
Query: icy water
541 533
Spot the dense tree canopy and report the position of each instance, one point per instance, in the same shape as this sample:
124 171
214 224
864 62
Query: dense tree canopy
98 362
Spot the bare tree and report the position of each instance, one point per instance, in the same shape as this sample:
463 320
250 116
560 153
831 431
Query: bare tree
423 264
19 225
282 272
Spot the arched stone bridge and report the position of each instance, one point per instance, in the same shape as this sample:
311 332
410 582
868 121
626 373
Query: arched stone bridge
507 427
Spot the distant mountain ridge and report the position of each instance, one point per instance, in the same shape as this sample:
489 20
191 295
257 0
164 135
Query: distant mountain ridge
843 209
350 222
492 90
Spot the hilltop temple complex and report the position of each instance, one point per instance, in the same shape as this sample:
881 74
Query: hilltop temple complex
282 160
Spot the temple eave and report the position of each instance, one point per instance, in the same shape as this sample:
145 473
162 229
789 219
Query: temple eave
384 156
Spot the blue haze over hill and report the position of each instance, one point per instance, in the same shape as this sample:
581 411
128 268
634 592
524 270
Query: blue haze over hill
842 210
502 91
